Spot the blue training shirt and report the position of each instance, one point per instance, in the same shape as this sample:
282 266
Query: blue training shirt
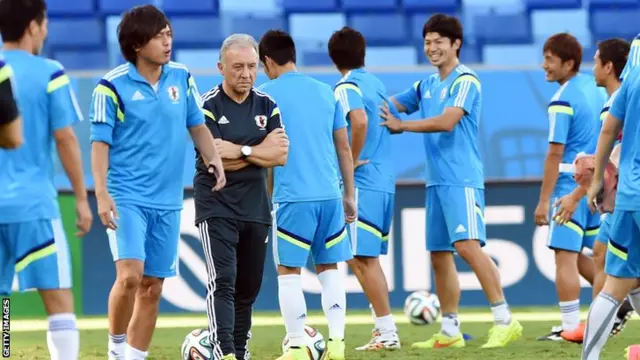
47 104
310 116
359 89
626 108
574 120
633 59
146 130
453 158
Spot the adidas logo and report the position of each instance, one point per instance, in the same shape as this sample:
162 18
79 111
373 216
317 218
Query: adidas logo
137 96
427 95
460 229
223 120
335 307
303 316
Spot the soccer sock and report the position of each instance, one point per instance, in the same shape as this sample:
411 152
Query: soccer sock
116 346
570 311
634 299
501 313
131 353
63 339
334 302
602 315
385 324
293 307
450 324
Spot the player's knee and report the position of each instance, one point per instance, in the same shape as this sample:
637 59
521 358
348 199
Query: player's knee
441 260
150 289
362 263
566 260
467 249
129 280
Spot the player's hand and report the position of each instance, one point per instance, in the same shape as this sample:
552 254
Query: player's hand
217 170
566 206
542 213
350 209
277 137
228 150
391 122
107 210
358 163
84 217
593 194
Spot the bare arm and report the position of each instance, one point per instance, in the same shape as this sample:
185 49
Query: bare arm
203 139
11 134
69 152
100 166
442 123
10 121
607 139
551 170
401 108
267 156
359 121
345 160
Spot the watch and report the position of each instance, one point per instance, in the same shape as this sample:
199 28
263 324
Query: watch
246 150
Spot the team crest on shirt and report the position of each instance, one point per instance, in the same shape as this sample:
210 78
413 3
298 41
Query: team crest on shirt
174 94
261 121
443 94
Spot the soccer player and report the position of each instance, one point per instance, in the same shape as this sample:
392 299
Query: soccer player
32 238
10 120
450 102
609 60
573 119
360 95
139 116
310 209
634 57
622 264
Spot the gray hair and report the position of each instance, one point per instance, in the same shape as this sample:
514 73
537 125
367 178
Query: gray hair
237 40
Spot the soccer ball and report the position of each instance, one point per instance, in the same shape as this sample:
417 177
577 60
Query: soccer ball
422 308
196 346
314 341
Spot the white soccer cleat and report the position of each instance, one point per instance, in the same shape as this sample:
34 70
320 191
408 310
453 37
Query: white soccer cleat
387 341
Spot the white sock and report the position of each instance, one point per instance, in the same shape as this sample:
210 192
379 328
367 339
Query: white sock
634 299
116 346
385 324
450 324
501 313
334 302
131 353
293 307
63 339
570 311
602 315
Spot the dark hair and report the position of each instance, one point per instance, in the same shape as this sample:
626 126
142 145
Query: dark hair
614 51
347 48
137 27
278 46
16 15
566 47
445 25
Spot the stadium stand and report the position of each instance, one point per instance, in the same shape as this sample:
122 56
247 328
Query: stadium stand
83 31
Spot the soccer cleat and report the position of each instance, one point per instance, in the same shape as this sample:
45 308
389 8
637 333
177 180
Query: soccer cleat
295 354
378 341
335 350
501 335
624 314
576 335
632 352
554 335
440 340
229 357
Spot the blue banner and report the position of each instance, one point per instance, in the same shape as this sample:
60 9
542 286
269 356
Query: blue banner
512 135
514 242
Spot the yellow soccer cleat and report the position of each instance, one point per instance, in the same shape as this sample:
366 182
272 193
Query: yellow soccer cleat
335 350
440 340
295 354
501 335
229 357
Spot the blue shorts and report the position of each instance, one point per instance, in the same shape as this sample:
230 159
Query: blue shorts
316 226
38 252
581 231
454 213
623 249
148 235
605 226
369 234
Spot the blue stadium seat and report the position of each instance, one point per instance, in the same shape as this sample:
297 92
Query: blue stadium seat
65 7
503 28
614 23
198 58
316 58
197 32
290 6
75 33
255 26
432 5
186 7
553 4
83 60
116 7
369 5
391 56
613 4
416 24
381 30
315 28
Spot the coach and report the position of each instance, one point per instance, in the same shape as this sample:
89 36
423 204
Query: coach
234 222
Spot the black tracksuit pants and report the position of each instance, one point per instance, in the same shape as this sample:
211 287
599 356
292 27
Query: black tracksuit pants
235 254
